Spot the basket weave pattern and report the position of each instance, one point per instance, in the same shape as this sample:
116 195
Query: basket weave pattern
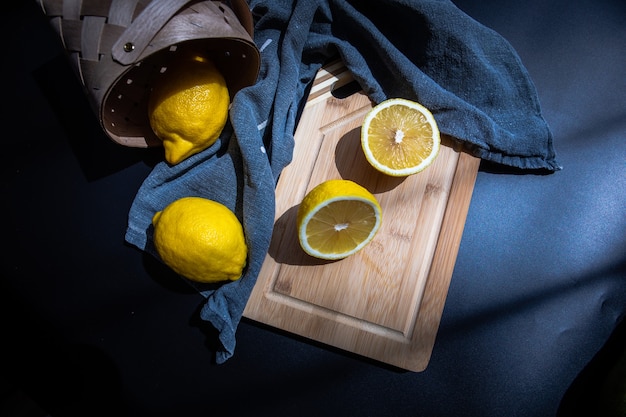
118 48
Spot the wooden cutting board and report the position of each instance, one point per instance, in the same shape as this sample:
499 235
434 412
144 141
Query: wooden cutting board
385 302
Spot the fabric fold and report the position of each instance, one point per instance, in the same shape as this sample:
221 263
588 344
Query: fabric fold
429 51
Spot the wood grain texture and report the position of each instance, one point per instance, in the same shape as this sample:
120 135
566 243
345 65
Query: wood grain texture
384 302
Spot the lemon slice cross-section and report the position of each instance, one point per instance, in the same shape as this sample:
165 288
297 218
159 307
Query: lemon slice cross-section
337 218
400 137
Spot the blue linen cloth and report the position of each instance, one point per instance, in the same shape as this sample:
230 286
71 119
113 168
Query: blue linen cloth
424 50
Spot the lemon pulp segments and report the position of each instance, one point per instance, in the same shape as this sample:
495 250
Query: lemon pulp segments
337 218
400 137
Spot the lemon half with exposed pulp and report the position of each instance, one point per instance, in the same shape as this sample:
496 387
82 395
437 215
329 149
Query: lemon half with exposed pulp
200 239
337 218
400 137
188 106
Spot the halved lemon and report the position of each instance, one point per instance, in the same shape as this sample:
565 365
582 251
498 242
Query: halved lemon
400 137
337 218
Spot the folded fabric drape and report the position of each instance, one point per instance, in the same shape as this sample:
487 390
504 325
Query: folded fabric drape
429 51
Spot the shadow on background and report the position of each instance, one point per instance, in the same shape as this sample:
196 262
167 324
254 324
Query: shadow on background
96 153
600 388
42 372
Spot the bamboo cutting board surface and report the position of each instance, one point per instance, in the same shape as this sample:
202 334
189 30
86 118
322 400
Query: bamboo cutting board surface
384 302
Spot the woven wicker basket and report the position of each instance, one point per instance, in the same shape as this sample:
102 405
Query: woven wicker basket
119 47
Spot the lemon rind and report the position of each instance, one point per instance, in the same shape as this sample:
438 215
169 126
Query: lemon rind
304 243
404 171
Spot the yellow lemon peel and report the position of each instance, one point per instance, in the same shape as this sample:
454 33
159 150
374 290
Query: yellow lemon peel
337 218
400 137
188 107
200 239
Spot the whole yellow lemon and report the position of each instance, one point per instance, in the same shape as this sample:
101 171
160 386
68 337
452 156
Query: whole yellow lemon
188 106
201 240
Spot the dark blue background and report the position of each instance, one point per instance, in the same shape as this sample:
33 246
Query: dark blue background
94 327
